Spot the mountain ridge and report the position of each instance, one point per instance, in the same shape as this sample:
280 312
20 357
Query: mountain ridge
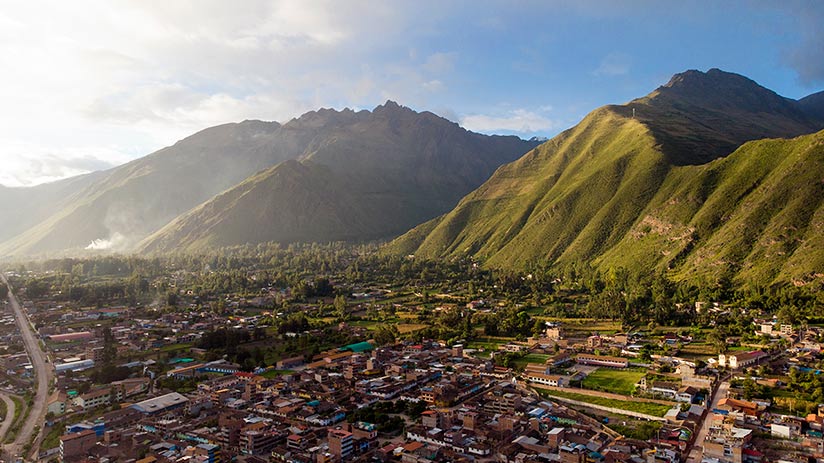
579 196
122 206
375 176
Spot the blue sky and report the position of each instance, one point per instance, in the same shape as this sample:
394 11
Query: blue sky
88 85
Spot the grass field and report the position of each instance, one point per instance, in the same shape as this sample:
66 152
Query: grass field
175 347
404 328
697 350
531 358
487 343
648 408
52 438
275 373
616 381
585 325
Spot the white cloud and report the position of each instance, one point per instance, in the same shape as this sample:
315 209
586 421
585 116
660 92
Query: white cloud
25 165
123 78
518 120
614 64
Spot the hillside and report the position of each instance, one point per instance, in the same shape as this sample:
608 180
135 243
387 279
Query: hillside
400 166
21 208
644 192
376 176
124 204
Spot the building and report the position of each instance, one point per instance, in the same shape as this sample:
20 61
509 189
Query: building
71 337
76 445
554 333
741 360
161 404
547 380
341 444
57 406
258 441
740 406
77 365
210 451
726 442
94 398
602 361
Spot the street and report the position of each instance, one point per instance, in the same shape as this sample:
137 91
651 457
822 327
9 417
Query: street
697 453
44 376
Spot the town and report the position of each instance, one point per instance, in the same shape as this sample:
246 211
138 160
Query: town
310 373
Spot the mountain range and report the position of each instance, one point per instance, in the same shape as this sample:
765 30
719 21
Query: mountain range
697 179
709 175
325 176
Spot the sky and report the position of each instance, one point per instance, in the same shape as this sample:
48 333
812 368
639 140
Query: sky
89 84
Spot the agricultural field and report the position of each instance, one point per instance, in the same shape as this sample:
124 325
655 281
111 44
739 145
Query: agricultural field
585 326
405 328
615 381
488 343
531 358
275 373
697 350
648 408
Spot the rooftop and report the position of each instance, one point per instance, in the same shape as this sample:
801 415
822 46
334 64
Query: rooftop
160 403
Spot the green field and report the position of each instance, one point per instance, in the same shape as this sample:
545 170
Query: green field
616 381
697 350
648 408
531 358
488 343
275 373
176 347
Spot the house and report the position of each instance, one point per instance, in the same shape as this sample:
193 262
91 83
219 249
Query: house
57 406
735 405
686 394
666 389
547 380
739 360
73 446
602 361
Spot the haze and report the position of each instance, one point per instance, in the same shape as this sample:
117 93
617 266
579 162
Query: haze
86 86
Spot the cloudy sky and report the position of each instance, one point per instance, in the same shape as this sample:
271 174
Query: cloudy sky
85 85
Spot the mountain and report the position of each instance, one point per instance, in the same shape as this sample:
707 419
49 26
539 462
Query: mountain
374 175
21 208
120 206
391 168
813 105
659 183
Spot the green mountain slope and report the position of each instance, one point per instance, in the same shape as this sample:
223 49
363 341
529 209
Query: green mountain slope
639 192
374 177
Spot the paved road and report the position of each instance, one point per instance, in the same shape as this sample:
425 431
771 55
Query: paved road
42 369
9 415
697 453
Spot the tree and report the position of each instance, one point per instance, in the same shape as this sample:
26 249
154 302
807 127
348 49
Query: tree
386 334
109 347
340 308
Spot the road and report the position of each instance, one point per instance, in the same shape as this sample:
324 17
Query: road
697 452
44 376
9 415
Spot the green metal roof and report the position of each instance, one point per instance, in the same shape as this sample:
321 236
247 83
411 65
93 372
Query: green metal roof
358 347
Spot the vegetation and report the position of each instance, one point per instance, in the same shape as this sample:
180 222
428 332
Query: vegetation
648 408
52 438
618 191
385 414
645 430
615 381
